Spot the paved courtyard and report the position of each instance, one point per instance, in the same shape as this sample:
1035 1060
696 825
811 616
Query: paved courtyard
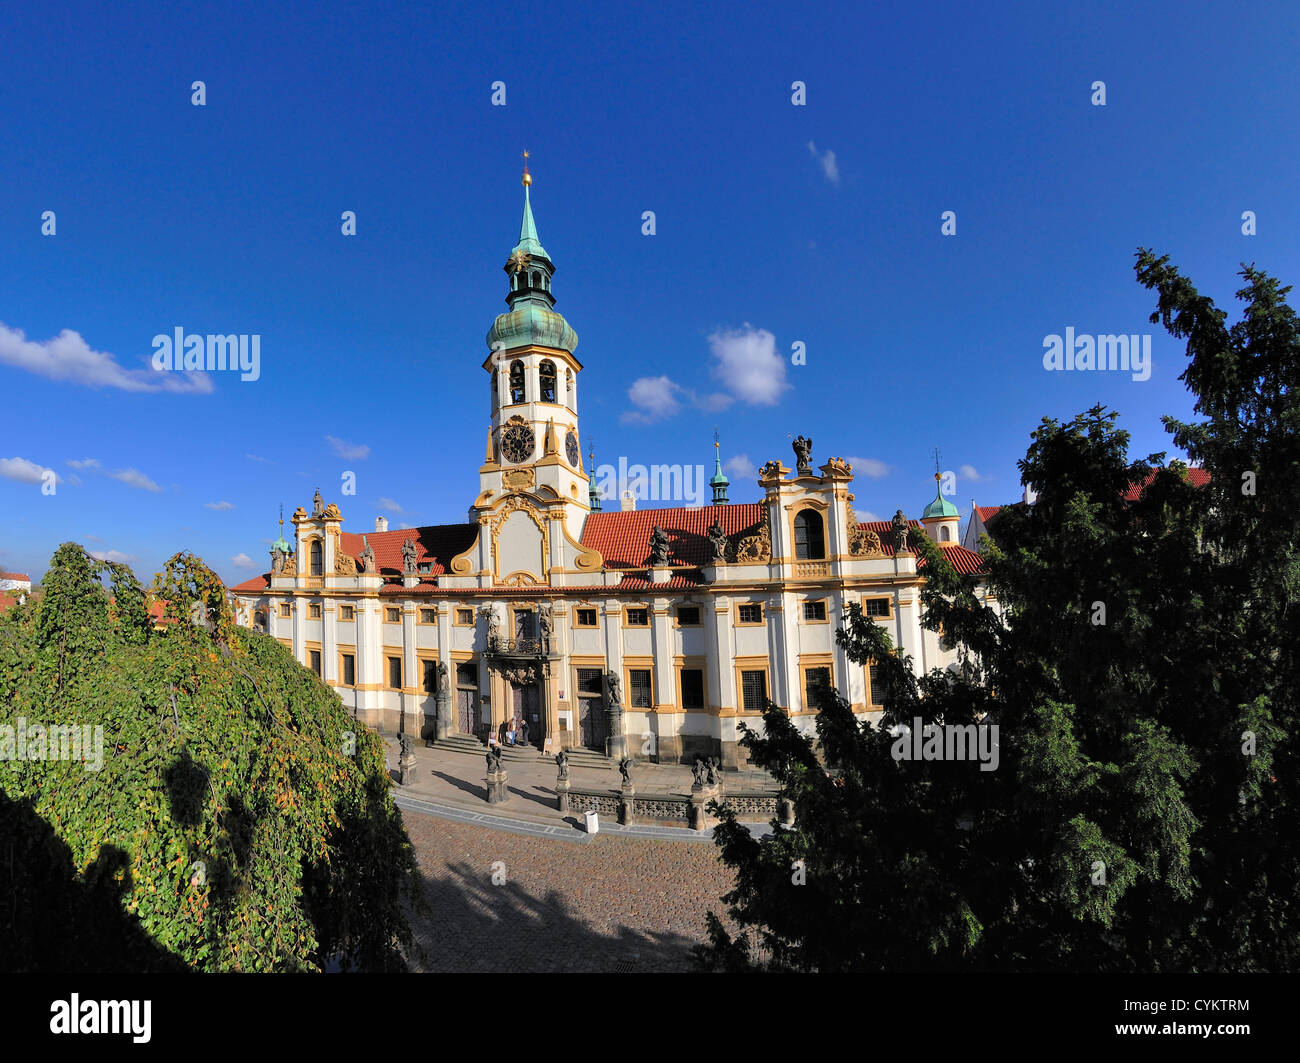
614 904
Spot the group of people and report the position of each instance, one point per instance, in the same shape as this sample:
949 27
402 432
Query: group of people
516 732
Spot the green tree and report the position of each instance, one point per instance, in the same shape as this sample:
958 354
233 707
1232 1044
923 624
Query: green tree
244 820
1142 816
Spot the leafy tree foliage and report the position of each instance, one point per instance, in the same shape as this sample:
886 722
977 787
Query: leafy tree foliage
241 820
1143 815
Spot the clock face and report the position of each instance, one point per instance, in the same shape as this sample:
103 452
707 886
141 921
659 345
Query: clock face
571 449
517 443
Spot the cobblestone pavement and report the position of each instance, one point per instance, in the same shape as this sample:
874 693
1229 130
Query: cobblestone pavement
616 904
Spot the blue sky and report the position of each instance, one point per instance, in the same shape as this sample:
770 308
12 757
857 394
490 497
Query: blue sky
775 224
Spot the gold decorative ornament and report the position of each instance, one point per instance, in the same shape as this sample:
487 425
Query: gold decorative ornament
756 547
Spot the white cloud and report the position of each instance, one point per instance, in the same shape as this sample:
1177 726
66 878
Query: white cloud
348 451
242 561
747 363
257 457
135 478
389 504
112 555
24 471
826 160
968 472
220 507
655 398
867 517
68 357
85 463
740 468
872 468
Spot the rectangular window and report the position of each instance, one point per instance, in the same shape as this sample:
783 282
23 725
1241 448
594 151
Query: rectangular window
753 688
638 680
750 613
692 688
590 681
314 610
393 616
814 610
876 689
465 617
428 616
586 618
875 606
430 676
688 616
347 612
813 678
286 610
313 661
349 670
395 672
638 618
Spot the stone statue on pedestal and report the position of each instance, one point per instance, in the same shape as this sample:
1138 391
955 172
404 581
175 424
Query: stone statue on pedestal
658 546
317 505
803 455
562 764
408 557
368 565
625 769
899 529
718 543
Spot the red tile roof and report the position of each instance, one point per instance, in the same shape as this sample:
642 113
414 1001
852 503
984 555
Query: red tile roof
623 537
252 586
1196 477
986 512
965 561
436 544
16 575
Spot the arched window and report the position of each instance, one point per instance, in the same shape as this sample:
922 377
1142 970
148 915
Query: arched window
548 381
809 537
259 621
537 279
945 534
317 558
516 382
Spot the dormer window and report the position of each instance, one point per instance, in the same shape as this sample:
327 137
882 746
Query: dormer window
516 382
809 537
547 374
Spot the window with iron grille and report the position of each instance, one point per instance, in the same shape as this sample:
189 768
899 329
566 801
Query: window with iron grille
347 612
875 606
393 616
586 618
467 675
395 672
590 681
688 615
877 685
809 539
753 688
465 617
349 670
428 616
286 609
814 610
750 613
638 617
813 679
692 688
314 610
638 680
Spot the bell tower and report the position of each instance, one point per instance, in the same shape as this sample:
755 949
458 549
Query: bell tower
533 445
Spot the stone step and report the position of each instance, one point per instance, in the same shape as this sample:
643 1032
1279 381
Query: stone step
461 744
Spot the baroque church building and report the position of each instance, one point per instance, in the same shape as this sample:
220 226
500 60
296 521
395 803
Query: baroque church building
650 632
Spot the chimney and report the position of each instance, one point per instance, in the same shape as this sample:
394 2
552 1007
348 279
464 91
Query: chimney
628 502
381 524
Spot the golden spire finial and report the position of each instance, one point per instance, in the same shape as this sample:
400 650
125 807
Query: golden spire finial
528 178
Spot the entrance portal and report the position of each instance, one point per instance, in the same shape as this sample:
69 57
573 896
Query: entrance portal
527 710
591 709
